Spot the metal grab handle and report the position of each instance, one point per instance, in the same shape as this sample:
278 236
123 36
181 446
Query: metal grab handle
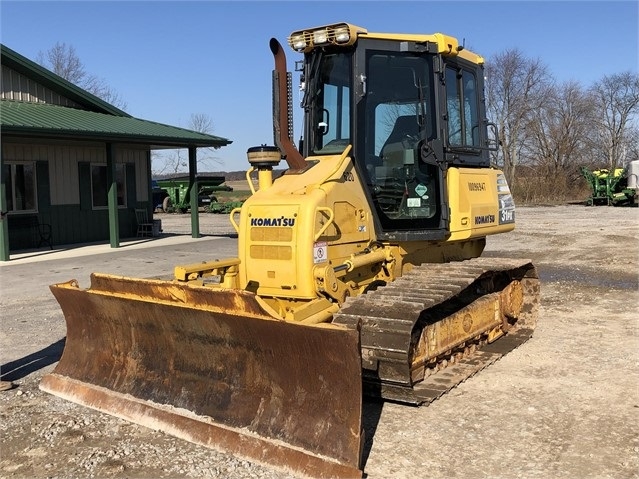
331 217
250 180
340 163
231 215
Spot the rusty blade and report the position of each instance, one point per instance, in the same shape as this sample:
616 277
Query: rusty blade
213 367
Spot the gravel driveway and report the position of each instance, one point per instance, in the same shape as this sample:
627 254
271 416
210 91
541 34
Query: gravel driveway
563 405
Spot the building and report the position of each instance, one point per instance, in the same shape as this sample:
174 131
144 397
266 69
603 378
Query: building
75 169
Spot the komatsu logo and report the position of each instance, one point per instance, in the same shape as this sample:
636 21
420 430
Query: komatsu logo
281 221
481 220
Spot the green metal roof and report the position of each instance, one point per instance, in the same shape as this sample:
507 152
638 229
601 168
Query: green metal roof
53 121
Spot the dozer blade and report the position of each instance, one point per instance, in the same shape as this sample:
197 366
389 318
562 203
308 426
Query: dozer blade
214 368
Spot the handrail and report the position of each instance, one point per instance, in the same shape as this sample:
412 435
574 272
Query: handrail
340 162
249 180
234 211
331 217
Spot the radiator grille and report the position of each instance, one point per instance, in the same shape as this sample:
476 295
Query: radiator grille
270 233
271 252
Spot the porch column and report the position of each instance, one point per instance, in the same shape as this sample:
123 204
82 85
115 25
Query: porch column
112 197
4 223
195 218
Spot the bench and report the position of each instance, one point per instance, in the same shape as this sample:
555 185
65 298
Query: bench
31 229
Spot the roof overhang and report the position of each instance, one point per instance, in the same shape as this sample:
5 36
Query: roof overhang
20 119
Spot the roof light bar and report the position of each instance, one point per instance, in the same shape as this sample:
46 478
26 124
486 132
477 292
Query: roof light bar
343 34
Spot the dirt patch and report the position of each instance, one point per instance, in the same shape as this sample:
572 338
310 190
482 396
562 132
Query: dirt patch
564 404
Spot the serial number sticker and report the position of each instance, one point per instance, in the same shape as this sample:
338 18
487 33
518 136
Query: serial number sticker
414 202
320 253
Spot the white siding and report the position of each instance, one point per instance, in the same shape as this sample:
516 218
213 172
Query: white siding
17 87
63 166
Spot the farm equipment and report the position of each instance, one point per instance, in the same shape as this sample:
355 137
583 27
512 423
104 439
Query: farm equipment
617 187
223 207
358 270
177 191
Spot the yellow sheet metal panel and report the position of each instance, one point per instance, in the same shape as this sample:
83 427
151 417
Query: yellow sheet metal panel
480 203
269 254
446 44
298 223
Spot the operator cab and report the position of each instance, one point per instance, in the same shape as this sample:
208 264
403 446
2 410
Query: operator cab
409 110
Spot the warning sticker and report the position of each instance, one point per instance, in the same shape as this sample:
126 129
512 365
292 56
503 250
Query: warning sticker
320 252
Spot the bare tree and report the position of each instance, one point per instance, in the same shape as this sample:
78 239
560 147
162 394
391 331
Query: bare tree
202 123
617 97
63 60
516 87
559 133
170 162
632 138
174 161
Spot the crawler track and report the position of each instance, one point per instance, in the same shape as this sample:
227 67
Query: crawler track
400 320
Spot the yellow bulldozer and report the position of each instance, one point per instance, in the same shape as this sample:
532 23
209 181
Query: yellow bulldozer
358 270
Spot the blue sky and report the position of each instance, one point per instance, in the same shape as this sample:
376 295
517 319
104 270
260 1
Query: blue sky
170 59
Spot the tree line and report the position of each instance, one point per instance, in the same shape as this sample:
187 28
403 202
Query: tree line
549 129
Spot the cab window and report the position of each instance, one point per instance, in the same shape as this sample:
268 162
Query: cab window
332 115
461 103
399 118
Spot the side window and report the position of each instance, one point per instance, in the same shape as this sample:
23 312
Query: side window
335 122
99 185
20 181
329 87
453 104
471 120
461 103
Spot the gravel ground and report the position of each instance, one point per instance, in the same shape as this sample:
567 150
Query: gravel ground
563 405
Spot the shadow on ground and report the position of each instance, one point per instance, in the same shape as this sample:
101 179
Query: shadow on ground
18 369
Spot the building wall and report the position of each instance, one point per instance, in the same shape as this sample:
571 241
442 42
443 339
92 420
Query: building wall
64 191
17 87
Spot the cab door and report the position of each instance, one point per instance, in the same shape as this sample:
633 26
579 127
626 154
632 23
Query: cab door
395 95
464 116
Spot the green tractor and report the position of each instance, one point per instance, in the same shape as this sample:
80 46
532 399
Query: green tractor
617 187
174 194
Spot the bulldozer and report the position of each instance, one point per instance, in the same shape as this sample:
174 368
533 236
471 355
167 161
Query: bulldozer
359 270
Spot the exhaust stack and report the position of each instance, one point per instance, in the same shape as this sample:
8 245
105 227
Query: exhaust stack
281 110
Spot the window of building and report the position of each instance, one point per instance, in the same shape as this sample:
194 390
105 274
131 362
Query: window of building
20 181
99 186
